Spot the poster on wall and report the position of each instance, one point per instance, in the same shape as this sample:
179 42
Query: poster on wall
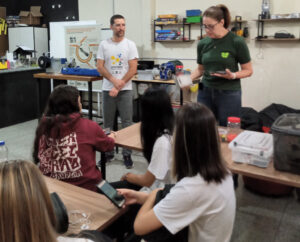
82 44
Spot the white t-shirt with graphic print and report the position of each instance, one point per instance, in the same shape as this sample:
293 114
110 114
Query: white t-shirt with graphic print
116 56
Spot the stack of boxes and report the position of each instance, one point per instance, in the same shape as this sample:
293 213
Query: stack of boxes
167 19
3 32
167 34
193 16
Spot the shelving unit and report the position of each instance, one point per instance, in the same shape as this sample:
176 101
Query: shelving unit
180 27
238 23
261 24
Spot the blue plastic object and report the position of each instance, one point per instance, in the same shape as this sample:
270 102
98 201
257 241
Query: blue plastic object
80 71
166 70
193 12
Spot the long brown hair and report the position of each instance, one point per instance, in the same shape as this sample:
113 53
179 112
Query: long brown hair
196 145
26 212
218 13
62 102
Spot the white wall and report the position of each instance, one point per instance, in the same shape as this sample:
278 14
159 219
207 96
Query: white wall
276 77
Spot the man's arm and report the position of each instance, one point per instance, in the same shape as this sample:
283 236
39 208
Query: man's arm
131 71
105 73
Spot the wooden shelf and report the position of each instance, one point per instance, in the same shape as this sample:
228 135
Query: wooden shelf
238 21
168 24
279 39
279 20
176 40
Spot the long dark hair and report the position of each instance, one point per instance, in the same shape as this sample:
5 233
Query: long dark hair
197 147
62 102
218 13
157 118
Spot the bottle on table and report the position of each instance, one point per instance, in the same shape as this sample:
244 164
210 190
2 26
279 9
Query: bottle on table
3 152
233 127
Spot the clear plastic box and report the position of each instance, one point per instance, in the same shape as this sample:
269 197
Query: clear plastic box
253 148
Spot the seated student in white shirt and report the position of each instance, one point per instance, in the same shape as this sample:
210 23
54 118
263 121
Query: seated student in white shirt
203 197
157 122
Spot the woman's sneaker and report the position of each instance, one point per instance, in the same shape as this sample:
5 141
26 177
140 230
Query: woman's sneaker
128 161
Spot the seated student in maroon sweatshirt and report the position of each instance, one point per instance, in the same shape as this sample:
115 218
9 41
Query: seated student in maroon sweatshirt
65 143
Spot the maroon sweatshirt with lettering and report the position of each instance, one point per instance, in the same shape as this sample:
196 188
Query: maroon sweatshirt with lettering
72 156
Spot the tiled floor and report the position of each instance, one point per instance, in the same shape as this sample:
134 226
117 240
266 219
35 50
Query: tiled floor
258 218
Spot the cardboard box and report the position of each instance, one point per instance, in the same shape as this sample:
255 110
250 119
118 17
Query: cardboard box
3 34
32 17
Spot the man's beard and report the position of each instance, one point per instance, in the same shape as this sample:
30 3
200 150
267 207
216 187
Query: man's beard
120 34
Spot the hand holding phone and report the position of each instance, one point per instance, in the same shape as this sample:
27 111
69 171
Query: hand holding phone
220 72
111 193
107 131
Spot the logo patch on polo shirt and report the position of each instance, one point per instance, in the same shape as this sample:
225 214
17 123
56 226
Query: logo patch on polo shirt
225 54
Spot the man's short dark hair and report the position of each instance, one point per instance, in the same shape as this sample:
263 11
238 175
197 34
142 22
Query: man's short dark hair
116 16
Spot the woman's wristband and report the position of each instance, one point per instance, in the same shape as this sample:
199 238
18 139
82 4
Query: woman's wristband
234 75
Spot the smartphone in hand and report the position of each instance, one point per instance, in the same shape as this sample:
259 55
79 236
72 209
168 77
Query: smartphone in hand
111 193
107 131
219 72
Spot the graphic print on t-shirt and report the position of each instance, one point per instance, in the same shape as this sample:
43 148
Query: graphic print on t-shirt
116 64
59 157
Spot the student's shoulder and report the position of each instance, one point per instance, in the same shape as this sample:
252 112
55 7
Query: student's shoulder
87 123
163 140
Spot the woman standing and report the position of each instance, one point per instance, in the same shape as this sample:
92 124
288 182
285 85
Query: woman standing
218 57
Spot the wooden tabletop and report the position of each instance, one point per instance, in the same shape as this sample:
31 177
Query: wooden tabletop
155 81
58 76
102 211
130 138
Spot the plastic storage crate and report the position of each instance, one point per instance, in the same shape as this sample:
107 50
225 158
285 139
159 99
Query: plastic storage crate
194 19
286 136
193 12
253 148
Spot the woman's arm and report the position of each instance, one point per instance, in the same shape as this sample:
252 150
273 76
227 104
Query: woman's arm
197 73
133 197
246 71
146 220
144 180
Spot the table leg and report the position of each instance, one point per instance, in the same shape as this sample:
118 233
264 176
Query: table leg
103 165
90 94
38 94
181 97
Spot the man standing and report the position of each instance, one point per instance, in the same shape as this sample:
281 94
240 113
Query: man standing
117 63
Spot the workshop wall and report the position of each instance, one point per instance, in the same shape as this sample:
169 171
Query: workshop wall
276 77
